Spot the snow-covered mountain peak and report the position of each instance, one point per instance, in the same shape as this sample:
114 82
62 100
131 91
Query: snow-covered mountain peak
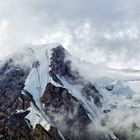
40 84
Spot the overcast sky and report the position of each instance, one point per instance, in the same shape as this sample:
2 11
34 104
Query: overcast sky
103 32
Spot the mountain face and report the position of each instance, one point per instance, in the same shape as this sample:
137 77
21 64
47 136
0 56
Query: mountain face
44 98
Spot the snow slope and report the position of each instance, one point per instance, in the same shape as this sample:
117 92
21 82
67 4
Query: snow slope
36 83
38 78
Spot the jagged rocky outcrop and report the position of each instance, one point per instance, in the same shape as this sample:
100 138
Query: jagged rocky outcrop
60 103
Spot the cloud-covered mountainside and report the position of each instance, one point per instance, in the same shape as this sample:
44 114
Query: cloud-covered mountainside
46 96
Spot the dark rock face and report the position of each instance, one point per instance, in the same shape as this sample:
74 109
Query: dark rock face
62 67
18 128
39 133
14 125
11 85
59 102
89 90
12 82
11 126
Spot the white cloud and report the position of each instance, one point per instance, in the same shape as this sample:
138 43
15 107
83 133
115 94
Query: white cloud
97 31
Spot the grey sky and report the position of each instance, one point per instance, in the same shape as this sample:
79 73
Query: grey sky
99 31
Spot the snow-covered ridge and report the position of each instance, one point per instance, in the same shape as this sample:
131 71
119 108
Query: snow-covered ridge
36 58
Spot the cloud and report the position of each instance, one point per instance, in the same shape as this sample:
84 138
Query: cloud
122 121
97 31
